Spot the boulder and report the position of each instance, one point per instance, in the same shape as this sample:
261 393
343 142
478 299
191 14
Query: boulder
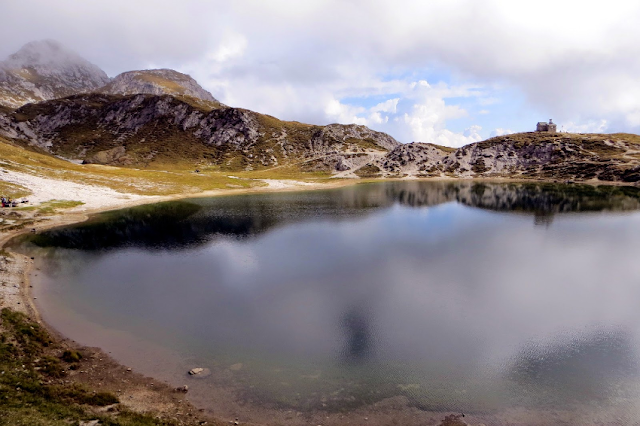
195 371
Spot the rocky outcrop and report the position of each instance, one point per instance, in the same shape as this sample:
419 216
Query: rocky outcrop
142 129
156 82
343 133
414 158
43 70
561 156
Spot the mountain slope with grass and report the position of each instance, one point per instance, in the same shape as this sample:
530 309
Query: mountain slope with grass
166 131
54 101
153 131
157 82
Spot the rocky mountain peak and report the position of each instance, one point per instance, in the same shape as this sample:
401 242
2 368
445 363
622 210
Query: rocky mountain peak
48 58
42 52
43 70
156 82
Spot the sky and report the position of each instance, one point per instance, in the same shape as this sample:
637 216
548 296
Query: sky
449 72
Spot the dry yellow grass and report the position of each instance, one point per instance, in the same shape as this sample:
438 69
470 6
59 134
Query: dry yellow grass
12 190
137 181
171 179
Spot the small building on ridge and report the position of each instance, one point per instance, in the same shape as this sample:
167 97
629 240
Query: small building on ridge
546 127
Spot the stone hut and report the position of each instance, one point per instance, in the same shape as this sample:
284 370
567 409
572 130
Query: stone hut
547 127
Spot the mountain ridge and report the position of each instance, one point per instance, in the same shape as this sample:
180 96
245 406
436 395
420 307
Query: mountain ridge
148 129
160 118
157 82
153 131
45 70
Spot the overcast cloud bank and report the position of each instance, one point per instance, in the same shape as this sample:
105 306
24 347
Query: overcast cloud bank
448 72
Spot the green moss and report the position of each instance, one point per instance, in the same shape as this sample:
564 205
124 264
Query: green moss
51 367
71 356
479 166
30 392
367 144
368 171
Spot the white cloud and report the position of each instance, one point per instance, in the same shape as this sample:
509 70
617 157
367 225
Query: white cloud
342 113
428 117
594 126
233 45
390 105
501 132
376 118
575 61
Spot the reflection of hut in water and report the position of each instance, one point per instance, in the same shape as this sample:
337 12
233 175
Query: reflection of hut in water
543 218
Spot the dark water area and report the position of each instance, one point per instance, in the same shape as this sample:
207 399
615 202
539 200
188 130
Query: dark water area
476 297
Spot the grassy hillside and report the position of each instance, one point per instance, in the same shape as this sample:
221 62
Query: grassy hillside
35 389
176 178
159 132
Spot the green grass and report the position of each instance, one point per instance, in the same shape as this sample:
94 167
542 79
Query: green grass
12 190
30 390
627 137
52 206
368 171
366 144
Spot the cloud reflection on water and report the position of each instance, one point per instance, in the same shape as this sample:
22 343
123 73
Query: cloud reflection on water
445 294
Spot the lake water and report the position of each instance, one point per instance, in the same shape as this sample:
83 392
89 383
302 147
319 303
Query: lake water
514 303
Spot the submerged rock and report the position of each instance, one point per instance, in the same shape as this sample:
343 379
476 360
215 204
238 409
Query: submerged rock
453 420
199 372
195 371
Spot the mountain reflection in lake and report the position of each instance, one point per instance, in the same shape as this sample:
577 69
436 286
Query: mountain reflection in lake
448 294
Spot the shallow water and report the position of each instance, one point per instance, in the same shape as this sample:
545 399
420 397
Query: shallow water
480 298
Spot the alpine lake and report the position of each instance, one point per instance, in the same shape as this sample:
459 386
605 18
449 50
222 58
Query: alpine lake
515 303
